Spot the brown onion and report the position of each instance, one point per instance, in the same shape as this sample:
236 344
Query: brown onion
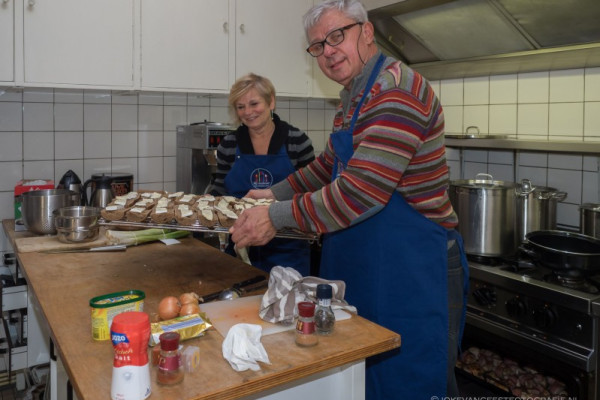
190 297
168 307
188 309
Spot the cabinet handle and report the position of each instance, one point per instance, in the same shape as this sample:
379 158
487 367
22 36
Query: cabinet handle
31 3
225 27
5 1
242 28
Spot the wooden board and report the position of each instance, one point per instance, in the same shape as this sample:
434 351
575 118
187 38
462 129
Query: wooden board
40 243
227 313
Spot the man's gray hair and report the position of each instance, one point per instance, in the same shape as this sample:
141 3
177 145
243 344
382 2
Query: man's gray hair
353 9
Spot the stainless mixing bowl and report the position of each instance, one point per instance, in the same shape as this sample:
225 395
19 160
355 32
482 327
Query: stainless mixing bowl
37 208
77 223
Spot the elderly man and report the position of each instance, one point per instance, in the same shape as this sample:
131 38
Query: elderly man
379 194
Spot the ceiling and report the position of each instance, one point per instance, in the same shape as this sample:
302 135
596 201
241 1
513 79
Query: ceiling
446 39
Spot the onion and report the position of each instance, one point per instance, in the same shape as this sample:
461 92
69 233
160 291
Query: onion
187 298
188 309
168 307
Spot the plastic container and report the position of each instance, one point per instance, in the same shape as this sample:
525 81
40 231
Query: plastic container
104 308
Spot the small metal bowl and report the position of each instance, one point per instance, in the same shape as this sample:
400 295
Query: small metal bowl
77 223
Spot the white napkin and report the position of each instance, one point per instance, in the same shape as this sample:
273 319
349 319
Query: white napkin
242 347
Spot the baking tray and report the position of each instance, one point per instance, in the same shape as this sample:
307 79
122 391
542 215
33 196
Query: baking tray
284 233
471 136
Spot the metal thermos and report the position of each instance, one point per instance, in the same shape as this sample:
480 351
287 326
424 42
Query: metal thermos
103 192
71 181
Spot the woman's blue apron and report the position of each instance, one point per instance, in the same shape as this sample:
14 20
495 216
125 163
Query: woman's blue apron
252 171
394 264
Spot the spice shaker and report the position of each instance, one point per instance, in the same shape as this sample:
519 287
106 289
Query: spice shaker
324 317
305 326
170 367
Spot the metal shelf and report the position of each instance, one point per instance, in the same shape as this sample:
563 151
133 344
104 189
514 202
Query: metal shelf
287 233
527 145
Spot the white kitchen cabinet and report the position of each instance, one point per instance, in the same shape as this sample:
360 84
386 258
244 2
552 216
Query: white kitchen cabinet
270 41
78 42
7 47
185 44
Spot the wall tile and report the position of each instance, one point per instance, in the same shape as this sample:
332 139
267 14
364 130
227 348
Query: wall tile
591 119
173 116
476 116
220 114
68 117
170 168
125 166
124 117
68 145
316 119
453 119
569 181
10 174
151 98
38 170
299 118
565 161
477 91
198 114
38 145
62 166
150 169
38 95
96 166
318 140
97 117
591 188
533 87
501 172
501 157
8 94
475 155
150 143
169 143
566 119
151 118
124 144
532 119
124 97
218 101
175 99
503 89
7 202
11 116
194 99
566 86
591 163
567 215
97 97
74 96
503 119
592 84
533 159
474 168
97 144
38 117
11 146
536 175
451 92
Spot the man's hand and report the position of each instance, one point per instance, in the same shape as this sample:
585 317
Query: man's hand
253 227
260 194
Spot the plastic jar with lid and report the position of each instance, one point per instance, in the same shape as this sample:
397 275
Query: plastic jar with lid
170 368
305 326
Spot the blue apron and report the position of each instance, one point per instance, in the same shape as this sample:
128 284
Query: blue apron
394 264
252 171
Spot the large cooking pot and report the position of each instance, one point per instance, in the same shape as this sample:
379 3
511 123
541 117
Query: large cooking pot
486 215
589 218
536 208
567 253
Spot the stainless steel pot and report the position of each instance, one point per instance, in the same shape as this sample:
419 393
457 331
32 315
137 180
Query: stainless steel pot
38 206
589 218
536 208
486 215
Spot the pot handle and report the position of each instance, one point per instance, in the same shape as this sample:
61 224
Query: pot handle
483 177
559 196
530 253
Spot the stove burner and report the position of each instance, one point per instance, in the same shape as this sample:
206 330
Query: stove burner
577 283
485 260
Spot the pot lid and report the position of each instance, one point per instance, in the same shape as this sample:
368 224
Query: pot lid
483 181
590 206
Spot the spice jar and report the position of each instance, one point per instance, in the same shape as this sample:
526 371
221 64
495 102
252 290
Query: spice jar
305 326
170 368
324 316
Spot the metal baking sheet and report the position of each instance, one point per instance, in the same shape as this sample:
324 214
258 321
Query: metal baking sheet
287 233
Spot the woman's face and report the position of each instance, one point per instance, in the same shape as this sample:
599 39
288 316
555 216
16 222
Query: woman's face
253 110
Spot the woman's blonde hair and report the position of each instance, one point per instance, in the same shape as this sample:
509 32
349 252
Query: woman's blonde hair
243 85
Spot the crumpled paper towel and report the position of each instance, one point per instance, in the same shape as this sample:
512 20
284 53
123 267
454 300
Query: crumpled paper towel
242 347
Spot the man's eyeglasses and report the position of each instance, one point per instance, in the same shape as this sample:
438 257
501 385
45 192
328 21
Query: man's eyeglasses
333 39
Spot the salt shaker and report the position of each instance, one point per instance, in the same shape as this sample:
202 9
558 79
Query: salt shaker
324 317
305 326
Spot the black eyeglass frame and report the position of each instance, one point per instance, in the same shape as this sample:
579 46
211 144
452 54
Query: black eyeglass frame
324 41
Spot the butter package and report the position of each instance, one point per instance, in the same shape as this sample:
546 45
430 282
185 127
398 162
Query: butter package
188 327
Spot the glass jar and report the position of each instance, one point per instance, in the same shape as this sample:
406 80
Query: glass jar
305 326
324 316
170 367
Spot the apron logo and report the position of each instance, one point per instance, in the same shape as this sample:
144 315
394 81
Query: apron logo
261 178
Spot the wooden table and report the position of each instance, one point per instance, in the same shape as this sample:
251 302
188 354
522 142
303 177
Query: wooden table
63 284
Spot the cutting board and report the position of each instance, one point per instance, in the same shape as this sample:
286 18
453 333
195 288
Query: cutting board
41 243
226 313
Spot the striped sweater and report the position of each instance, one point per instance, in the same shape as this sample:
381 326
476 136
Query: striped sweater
298 145
398 146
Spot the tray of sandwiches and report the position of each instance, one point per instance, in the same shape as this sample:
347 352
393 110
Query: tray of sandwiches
181 211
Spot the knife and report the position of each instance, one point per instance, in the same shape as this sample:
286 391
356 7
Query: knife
235 287
118 247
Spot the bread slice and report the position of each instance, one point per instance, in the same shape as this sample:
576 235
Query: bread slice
207 216
162 215
114 212
226 216
187 199
137 214
185 215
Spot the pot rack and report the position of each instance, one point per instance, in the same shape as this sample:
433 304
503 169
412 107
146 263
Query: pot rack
197 227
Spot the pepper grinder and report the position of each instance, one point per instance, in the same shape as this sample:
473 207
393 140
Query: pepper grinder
324 317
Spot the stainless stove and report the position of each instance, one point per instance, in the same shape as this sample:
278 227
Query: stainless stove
531 313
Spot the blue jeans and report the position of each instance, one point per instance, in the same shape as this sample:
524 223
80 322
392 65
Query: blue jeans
455 310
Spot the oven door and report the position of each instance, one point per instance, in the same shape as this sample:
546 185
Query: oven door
499 361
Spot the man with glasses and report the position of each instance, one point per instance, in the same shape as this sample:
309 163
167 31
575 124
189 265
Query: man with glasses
379 195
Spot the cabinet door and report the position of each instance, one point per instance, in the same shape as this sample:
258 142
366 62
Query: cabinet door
7 41
78 42
270 41
185 44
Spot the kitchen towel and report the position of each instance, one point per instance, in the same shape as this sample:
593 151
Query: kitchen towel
287 287
243 349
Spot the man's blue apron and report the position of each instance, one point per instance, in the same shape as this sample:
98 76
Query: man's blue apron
394 264
260 172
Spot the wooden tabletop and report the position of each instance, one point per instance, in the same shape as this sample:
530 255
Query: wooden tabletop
63 284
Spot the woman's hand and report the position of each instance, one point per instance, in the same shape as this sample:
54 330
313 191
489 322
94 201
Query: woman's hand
253 227
260 194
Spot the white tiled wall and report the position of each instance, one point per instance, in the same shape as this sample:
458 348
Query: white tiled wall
557 105
45 132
